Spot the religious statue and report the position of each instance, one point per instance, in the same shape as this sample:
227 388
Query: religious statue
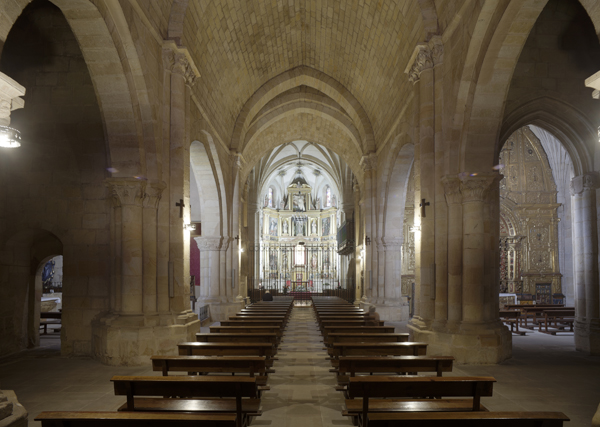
313 261
313 227
299 228
273 261
285 227
273 227
325 227
299 203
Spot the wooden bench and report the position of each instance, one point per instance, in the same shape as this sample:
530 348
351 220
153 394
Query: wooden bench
49 318
238 337
566 317
379 349
353 323
227 349
351 365
512 317
205 365
357 330
134 419
402 394
250 323
467 419
249 329
365 337
241 391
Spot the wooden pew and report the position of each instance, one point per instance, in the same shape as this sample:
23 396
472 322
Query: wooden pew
379 349
512 317
566 317
50 318
352 365
250 323
357 330
134 419
238 337
353 323
358 337
227 349
249 329
243 389
206 365
260 318
380 394
467 419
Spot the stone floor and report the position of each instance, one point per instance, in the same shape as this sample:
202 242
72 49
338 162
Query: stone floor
545 374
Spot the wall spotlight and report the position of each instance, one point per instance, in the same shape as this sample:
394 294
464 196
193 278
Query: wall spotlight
414 229
367 240
9 137
189 227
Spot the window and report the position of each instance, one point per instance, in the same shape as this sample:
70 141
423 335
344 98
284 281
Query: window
328 197
270 198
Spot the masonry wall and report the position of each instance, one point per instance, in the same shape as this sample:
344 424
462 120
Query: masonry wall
53 185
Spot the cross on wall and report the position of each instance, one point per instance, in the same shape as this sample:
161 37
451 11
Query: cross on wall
422 206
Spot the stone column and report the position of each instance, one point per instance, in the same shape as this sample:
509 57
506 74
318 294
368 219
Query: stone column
182 78
151 200
473 189
224 273
369 165
128 194
455 247
587 330
393 249
210 267
423 74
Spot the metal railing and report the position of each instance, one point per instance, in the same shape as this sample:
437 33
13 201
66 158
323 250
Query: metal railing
203 312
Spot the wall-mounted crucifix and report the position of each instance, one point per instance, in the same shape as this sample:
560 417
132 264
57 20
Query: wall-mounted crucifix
181 206
422 205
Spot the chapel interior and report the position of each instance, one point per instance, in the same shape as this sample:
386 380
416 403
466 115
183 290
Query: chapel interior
165 163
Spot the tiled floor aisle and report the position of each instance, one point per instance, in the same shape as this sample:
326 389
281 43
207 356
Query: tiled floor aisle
302 388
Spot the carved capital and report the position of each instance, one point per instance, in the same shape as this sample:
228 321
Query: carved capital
126 191
177 63
424 57
585 182
452 189
474 188
10 93
153 194
369 162
208 243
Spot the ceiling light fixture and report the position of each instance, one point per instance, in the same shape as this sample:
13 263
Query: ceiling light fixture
9 137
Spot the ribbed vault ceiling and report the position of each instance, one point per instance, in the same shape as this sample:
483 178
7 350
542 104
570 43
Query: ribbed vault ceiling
239 46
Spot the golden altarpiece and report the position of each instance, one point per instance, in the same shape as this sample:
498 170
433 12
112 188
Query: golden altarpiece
298 243
528 220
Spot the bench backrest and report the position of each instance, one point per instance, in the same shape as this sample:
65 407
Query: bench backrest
134 419
250 364
188 386
355 365
559 313
381 349
467 419
225 349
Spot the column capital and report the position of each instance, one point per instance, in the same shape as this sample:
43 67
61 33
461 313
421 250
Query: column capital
424 57
369 161
452 189
126 191
587 181
474 188
10 93
177 62
153 194
208 243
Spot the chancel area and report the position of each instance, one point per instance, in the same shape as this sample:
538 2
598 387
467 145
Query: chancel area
404 178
